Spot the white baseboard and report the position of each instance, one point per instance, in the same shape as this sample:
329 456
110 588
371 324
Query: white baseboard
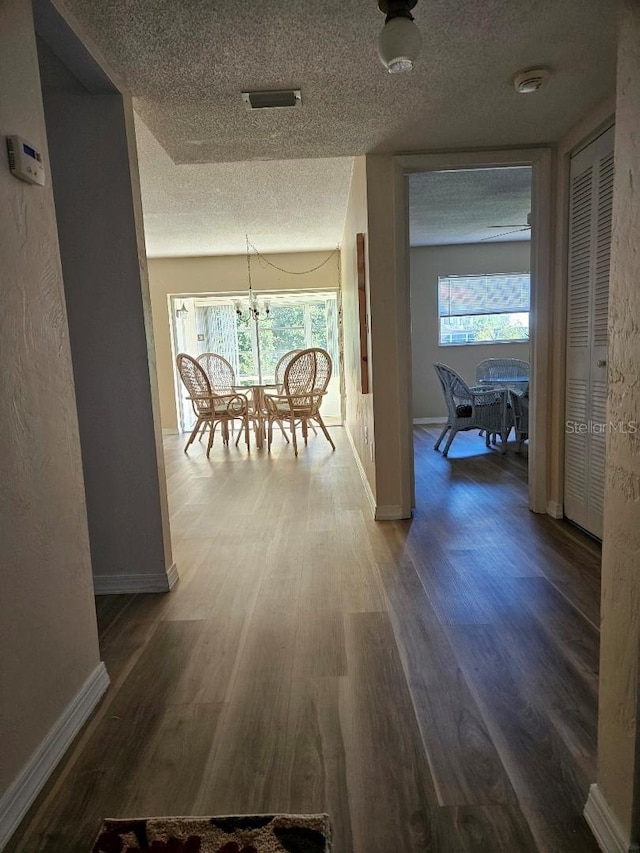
18 798
430 421
172 575
603 824
380 513
134 583
555 509
390 513
172 431
363 473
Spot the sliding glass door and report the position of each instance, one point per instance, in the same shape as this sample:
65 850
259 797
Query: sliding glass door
295 321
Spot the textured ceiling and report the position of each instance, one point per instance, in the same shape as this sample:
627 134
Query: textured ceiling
205 182
186 64
283 205
460 206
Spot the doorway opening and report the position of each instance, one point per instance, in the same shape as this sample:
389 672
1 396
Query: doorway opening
254 345
470 274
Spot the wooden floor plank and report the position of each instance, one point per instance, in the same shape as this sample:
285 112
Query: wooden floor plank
545 777
384 755
246 765
464 763
315 771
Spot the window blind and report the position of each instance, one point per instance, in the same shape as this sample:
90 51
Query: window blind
498 293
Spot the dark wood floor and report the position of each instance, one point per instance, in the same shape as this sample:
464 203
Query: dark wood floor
431 683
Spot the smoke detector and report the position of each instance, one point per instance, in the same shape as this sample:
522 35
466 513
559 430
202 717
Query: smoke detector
531 80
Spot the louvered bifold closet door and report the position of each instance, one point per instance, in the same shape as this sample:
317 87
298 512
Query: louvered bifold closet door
590 211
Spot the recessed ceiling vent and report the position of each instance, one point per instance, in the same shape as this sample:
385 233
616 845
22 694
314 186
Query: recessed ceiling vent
272 100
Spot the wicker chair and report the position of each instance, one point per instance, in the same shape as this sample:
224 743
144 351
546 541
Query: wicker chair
210 408
220 373
281 366
471 408
304 385
520 409
501 371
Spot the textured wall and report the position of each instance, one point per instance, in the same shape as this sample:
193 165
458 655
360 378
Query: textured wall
47 616
427 263
220 274
359 414
618 734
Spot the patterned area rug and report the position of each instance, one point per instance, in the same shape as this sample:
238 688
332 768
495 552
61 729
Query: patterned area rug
239 834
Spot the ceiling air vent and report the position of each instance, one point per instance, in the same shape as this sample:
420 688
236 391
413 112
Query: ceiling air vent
272 100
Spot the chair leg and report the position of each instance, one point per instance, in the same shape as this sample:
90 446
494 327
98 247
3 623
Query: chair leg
212 429
452 435
284 432
436 446
305 431
194 432
270 434
325 431
239 431
293 435
246 431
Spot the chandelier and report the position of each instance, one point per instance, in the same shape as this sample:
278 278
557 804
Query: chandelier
257 309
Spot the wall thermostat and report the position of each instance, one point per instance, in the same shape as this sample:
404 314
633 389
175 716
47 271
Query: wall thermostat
24 161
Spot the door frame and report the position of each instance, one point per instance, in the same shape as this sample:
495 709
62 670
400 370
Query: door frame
541 317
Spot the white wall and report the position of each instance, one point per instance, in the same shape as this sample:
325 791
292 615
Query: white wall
427 263
48 632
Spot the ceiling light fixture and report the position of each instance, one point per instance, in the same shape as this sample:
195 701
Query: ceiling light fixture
400 41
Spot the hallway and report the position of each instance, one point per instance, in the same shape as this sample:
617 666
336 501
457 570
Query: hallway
431 684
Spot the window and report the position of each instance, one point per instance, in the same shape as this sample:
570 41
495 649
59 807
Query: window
474 309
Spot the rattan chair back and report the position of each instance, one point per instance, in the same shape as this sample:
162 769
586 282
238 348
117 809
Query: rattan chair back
502 370
282 365
456 391
220 372
308 373
196 381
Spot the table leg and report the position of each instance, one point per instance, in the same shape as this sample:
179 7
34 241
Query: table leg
258 404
